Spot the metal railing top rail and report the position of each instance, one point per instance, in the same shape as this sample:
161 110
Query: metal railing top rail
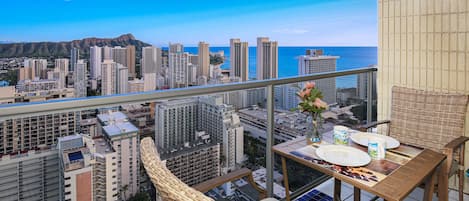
8 111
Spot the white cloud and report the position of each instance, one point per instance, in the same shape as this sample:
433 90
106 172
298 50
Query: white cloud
291 31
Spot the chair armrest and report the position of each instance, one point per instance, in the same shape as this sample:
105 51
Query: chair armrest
232 176
456 143
365 127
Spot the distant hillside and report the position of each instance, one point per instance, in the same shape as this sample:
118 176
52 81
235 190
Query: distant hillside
62 49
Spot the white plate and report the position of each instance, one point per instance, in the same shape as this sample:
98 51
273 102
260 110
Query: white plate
343 155
362 138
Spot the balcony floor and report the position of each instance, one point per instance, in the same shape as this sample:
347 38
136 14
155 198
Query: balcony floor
347 192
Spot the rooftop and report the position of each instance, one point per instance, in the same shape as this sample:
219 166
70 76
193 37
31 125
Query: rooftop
102 146
119 128
115 116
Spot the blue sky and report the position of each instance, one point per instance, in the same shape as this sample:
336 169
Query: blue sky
290 22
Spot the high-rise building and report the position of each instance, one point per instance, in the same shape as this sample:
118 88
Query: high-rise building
95 62
204 60
315 62
256 97
61 65
267 59
179 124
149 81
175 123
30 133
192 74
25 73
362 85
76 172
151 60
30 176
80 78
119 55
87 168
122 79
179 69
239 59
194 165
136 85
194 59
285 96
114 78
60 72
106 53
33 68
124 139
59 77
176 48
74 57
221 123
126 57
109 74
131 60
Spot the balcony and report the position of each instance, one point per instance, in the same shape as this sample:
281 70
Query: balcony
265 125
270 115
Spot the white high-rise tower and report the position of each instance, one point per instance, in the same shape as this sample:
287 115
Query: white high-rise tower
80 78
179 69
74 57
122 79
109 73
95 62
151 60
315 62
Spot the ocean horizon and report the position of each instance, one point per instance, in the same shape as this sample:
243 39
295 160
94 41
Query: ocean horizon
349 58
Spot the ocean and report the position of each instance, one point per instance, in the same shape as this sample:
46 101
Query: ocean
350 58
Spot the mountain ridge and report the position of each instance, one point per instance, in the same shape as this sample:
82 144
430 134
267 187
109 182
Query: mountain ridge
62 49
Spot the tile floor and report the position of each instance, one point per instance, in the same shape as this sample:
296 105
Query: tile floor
347 192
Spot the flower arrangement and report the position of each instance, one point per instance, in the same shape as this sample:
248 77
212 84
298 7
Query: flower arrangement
311 102
311 99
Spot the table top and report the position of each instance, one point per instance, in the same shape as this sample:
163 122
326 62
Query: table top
392 178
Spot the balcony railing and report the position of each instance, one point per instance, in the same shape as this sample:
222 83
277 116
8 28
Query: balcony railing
11 111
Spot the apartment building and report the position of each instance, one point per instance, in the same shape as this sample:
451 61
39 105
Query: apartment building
88 169
267 59
195 164
239 59
29 133
30 176
124 139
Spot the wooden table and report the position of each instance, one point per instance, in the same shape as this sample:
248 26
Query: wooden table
421 166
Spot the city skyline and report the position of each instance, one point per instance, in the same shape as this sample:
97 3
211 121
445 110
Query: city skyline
299 23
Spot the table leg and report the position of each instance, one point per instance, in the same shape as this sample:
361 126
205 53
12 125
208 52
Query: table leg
429 186
356 194
337 189
285 179
443 181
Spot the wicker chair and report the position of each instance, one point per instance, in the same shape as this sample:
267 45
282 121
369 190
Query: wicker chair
170 188
431 120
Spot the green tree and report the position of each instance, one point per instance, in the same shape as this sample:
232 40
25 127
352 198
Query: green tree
122 191
11 77
141 196
216 59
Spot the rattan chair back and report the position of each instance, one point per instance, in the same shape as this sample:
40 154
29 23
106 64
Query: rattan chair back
427 119
169 187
